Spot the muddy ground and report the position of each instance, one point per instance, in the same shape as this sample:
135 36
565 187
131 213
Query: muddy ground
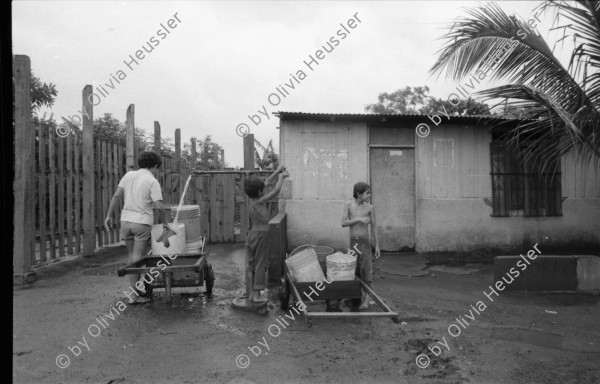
517 338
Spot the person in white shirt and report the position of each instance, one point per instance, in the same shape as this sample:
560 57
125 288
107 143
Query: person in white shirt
141 193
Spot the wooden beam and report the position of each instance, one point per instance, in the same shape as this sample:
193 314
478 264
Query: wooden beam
157 138
130 123
87 162
249 152
23 219
178 152
277 247
194 156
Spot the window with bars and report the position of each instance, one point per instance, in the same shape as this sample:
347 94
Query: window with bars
522 190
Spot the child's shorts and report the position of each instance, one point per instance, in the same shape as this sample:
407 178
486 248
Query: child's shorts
364 263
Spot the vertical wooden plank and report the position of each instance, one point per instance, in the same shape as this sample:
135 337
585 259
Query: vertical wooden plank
52 190
23 219
69 193
115 182
110 185
244 218
203 182
178 170
222 159
89 188
157 138
43 211
193 159
61 196
229 207
130 125
249 152
219 222
105 192
78 218
120 174
98 194
213 209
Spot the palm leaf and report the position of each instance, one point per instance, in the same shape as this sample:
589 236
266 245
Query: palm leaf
564 112
548 130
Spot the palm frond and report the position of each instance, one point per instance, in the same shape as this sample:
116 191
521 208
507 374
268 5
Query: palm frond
548 129
584 27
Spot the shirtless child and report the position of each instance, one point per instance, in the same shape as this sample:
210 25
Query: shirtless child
357 215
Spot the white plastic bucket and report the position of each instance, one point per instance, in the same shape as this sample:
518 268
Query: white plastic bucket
305 267
341 266
177 241
190 216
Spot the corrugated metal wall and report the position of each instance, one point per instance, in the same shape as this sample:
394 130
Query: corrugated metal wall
324 159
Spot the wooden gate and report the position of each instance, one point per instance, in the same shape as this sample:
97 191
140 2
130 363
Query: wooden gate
224 204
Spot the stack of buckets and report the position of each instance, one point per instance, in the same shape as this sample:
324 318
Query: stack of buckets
189 215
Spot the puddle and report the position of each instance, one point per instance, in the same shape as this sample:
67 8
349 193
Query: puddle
453 270
540 339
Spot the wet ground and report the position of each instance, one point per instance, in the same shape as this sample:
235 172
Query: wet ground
72 316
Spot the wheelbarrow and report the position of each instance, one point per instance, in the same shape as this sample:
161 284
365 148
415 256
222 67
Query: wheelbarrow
334 290
179 270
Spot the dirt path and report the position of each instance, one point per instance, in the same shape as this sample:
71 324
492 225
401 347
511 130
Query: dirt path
197 339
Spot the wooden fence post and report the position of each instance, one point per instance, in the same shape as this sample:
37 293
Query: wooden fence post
222 159
277 247
130 123
157 138
249 152
193 158
23 185
178 171
89 188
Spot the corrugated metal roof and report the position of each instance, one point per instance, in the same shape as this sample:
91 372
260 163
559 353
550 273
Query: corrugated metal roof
373 117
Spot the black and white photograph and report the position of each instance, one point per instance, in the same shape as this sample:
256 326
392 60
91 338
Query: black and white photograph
256 192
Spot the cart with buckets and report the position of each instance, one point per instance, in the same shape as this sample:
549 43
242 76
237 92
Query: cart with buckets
303 281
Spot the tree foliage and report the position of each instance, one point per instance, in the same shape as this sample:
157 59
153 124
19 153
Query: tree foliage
561 103
108 128
417 100
269 159
42 94
208 154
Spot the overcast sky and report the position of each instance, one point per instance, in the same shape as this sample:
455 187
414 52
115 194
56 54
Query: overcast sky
221 60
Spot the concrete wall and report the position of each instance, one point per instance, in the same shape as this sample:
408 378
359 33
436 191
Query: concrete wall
465 225
316 222
453 177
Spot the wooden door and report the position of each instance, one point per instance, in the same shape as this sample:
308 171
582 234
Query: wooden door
392 172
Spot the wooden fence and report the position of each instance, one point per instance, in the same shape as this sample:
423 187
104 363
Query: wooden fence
64 184
224 204
58 192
